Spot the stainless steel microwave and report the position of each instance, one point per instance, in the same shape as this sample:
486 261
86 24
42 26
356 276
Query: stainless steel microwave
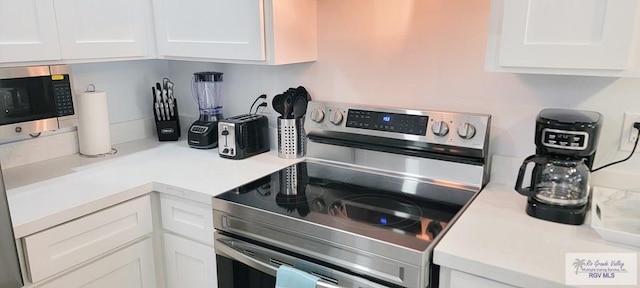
36 99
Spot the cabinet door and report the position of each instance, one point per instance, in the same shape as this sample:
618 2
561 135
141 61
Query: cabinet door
131 267
577 34
216 29
188 263
28 31
102 29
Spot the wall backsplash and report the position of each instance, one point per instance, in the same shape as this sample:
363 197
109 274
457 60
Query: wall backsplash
404 53
430 54
128 85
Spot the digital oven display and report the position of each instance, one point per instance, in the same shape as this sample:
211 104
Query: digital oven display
389 122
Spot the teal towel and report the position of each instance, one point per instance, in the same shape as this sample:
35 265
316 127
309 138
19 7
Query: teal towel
289 277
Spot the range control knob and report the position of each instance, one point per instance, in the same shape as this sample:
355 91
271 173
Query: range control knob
335 117
466 130
440 128
317 115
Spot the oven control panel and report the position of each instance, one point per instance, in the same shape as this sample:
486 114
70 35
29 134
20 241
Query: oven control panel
386 121
468 130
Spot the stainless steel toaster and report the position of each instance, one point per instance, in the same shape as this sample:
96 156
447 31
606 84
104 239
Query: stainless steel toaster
243 136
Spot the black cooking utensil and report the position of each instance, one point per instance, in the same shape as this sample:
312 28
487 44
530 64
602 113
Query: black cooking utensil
278 104
288 105
303 91
300 105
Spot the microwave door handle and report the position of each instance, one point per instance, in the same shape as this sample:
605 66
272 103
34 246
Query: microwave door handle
236 255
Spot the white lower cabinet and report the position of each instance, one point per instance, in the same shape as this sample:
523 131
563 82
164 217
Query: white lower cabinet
108 248
188 218
188 263
131 267
67 245
119 247
190 260
450 278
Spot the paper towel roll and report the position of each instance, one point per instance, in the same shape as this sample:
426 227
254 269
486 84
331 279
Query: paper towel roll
93 123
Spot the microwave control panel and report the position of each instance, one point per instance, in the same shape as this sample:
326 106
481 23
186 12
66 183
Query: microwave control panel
62 95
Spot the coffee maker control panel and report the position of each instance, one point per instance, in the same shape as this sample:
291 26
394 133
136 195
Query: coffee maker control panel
561 139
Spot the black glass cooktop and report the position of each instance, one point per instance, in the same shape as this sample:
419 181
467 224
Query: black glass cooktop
355 200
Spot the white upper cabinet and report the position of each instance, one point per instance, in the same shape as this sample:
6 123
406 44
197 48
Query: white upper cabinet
251 31
48 31
572 37
103 29
228 29
28 31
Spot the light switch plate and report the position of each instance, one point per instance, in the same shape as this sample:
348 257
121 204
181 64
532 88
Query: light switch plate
629 134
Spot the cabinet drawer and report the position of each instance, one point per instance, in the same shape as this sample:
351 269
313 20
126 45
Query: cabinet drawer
64 246
464 280
188 218
130 267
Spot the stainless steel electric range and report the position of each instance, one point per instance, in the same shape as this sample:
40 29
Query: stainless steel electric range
378 189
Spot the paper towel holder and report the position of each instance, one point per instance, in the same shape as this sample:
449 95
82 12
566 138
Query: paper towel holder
113 151
92 88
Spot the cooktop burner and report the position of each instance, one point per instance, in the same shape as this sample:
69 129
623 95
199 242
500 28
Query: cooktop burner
306 191
379 211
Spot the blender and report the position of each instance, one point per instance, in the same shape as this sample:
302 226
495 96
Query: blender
206 89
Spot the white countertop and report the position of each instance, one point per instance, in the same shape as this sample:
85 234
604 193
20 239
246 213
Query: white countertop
51 192
495 239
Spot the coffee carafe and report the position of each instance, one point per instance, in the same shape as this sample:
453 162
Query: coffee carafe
206 88
566 142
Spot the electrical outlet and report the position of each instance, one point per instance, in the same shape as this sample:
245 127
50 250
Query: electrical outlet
629 134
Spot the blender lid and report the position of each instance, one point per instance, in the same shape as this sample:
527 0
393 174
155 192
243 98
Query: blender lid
569 116
208 76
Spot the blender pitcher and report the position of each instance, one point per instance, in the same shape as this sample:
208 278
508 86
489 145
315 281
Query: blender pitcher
207 91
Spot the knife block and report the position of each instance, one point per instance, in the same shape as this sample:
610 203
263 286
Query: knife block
168 130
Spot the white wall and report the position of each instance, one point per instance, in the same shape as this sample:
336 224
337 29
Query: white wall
429 54
128 85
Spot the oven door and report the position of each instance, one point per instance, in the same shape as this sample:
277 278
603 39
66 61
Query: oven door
243 264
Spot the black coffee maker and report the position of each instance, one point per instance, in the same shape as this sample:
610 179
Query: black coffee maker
566 142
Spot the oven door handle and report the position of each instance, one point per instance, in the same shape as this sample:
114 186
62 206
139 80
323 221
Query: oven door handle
257 264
